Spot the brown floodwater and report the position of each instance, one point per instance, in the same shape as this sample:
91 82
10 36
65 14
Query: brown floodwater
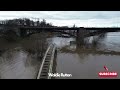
82 62
16 62
87 61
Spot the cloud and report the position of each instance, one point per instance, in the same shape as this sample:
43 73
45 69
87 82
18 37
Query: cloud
64 18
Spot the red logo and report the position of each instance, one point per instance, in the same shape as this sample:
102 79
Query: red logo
107 73
105 68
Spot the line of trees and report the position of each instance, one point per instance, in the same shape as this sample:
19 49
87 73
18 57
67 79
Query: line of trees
26 22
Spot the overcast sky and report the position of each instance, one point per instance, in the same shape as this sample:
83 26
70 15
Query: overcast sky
68 18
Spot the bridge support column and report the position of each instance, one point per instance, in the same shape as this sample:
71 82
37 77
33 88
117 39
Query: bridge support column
80 36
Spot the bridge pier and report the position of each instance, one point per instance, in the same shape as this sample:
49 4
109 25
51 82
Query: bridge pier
80 36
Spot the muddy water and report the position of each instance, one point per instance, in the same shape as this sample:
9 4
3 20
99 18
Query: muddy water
17 64
87 61
20 60
83 62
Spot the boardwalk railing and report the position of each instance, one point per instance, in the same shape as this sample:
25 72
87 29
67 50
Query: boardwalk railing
52 60
47 63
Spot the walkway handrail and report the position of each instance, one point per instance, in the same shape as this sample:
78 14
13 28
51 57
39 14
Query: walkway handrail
43 62
51 62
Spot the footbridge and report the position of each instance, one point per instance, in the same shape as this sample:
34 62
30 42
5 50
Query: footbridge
47 63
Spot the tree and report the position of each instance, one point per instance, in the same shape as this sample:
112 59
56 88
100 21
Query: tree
74 25
43 23
27 22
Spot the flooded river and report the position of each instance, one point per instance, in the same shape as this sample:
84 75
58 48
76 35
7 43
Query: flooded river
83 62
87 61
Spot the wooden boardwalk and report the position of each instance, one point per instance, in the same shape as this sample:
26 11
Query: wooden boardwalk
47 63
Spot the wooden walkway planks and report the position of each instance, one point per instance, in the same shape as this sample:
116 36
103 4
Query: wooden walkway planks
47 63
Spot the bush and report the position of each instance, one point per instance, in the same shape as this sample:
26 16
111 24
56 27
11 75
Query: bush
36 44
10 35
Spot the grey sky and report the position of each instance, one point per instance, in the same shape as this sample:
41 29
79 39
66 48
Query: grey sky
64 18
